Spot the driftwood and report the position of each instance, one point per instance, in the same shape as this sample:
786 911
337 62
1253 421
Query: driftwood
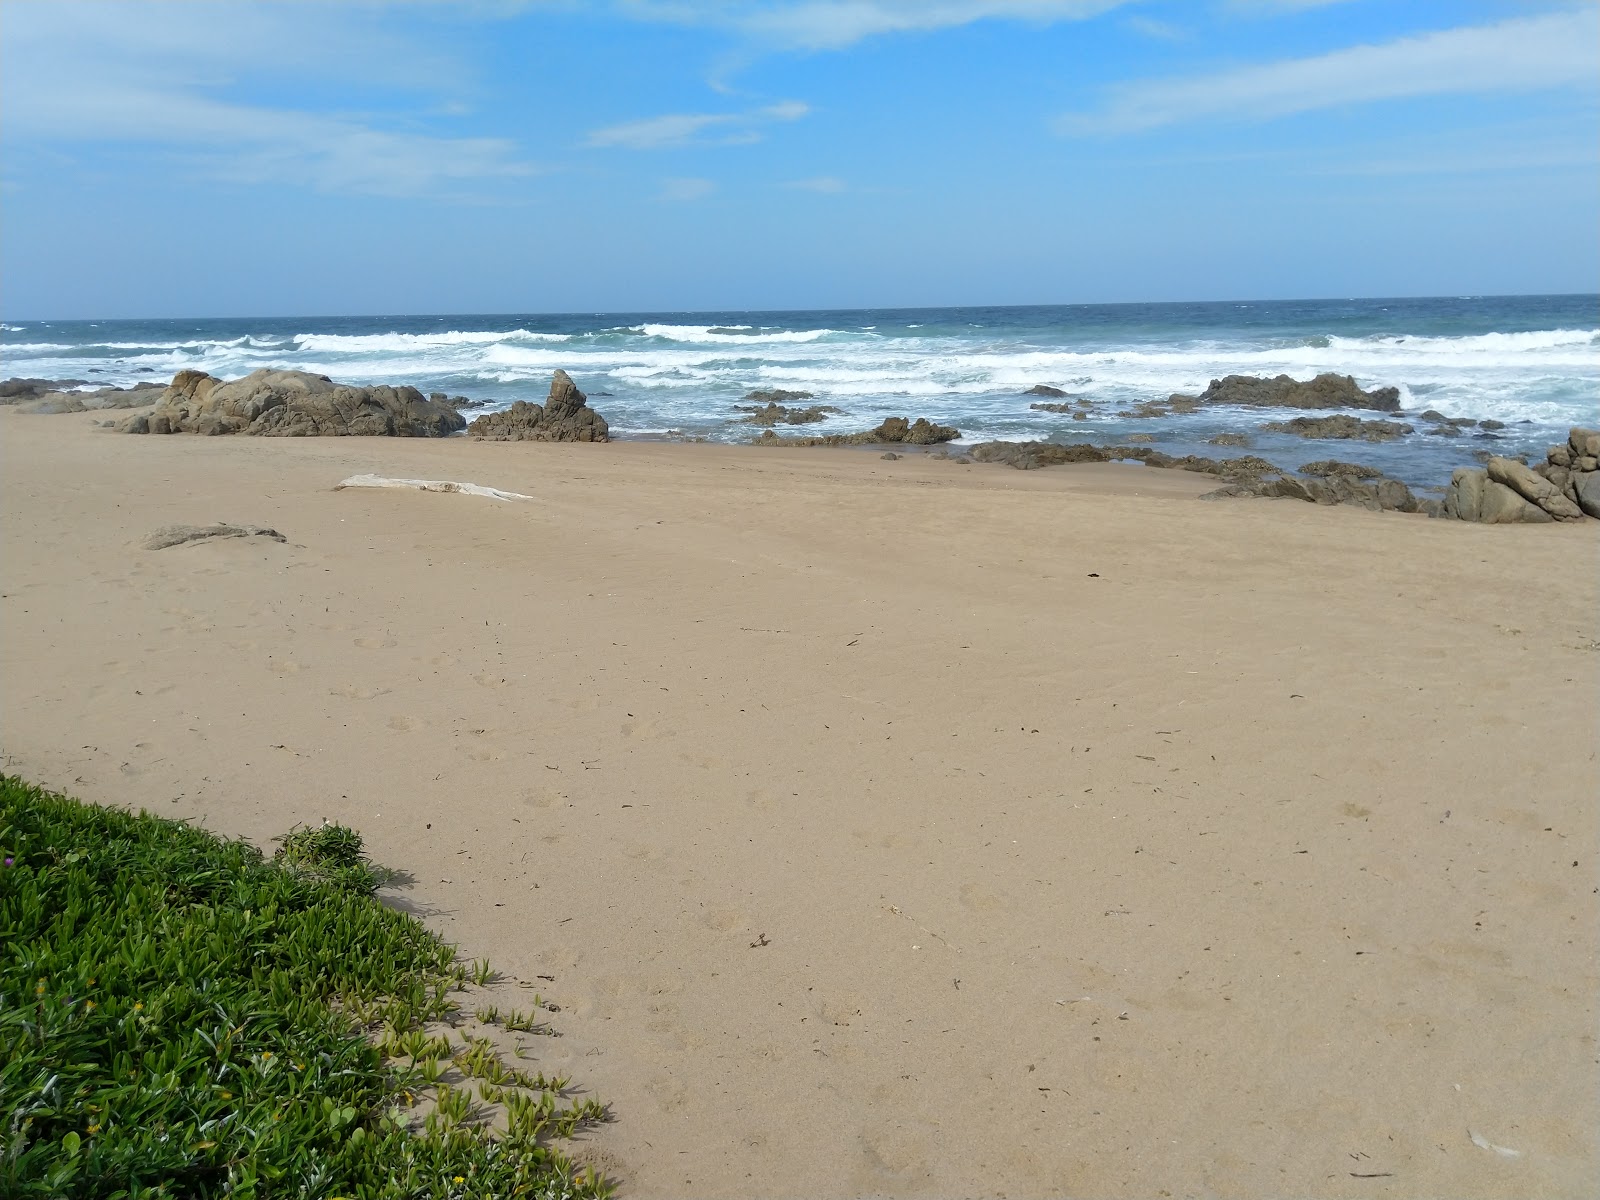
429 485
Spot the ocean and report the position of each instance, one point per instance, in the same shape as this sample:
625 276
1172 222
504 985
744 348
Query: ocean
1531 362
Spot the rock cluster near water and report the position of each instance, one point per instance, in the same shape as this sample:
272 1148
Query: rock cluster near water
48 396
270 403
894 430
1327 390
1565 487
565 416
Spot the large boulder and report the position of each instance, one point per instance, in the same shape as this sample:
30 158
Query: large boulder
1340 425
565 416
1327 390
271 403
17 389
1533 488
1586 486
1044 389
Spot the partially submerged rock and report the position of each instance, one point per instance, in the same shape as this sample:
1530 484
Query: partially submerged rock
1229 439
1341 426
1327 390
269 403
776 395
1043 389
894 430
179 535
1051 408
565 416
774 413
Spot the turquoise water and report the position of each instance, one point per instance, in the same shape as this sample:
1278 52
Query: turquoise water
1532 362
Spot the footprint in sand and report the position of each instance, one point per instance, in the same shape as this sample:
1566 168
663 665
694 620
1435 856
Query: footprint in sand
981 901
722 919
355 691
284 666
483 753
491 681
442 660
406 724
384 642
541 797
761 800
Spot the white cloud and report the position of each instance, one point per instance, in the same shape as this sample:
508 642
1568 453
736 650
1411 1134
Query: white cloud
826 184
1555 50
835 24
155 76
695 129
686 189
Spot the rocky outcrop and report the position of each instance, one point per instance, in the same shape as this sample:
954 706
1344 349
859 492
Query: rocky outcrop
565 416
1340 426
1229 439
1050 408
1325 467
1387 495
1565 487
1325 391
52 402
18 389
270 403
1044 389
894 430
1029 456
777 414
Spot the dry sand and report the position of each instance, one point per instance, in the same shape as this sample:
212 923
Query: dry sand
900 829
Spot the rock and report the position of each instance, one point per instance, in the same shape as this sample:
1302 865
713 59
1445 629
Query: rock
1586 486
1150 409
1503 506
1340 425
890 456
1052 408
1559 456
1490 423
777 414
565 416
1029 456
1394 496
18 389
138 423
776 396
1229 439
1463 500
1520 479
269 403
1141 437
1332 466
1080 416
920 432
1327 390
1586 463
1043 389
178 535
1444 431
137 396
1585 443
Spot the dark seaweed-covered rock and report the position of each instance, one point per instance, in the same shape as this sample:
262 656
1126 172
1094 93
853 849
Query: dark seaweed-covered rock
1051 408
1327 390
776 396
1044 389
1332 466
776 414
1341 426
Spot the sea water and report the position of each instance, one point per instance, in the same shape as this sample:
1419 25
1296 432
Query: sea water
1531 362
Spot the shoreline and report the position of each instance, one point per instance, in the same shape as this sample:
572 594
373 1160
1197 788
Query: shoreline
1058 799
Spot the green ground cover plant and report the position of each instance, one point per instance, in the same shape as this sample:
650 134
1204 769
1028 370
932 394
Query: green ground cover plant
181 1016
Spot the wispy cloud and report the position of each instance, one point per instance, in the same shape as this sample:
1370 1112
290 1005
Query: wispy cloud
826 184
1552 51
686 189
158 76
1166 31
695 129
835 24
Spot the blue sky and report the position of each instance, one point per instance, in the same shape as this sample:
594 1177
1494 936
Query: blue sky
304 158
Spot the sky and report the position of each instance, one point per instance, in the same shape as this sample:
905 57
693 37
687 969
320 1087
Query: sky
298 158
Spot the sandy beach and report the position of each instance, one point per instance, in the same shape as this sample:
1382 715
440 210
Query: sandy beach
888 828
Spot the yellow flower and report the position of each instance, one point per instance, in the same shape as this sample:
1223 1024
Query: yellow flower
138 1006
94 1129
88 1006
461 1178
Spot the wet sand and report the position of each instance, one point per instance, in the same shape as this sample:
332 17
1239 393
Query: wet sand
889 828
